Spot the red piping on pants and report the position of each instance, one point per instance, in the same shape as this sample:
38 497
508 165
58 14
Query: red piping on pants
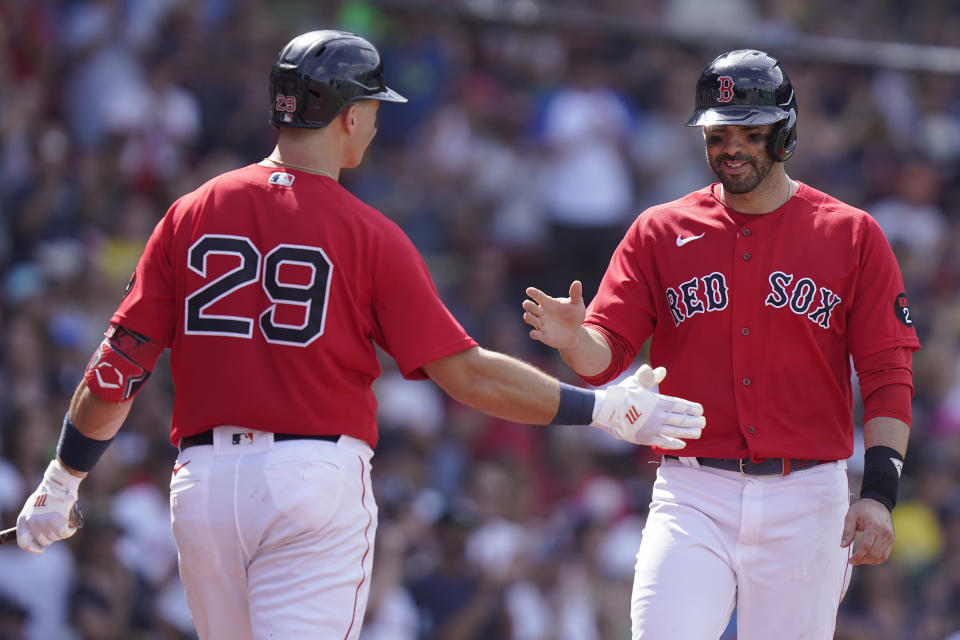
356 595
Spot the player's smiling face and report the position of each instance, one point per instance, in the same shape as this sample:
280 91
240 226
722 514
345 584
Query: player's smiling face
738 155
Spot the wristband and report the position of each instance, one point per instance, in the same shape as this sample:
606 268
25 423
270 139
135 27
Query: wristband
881 475
76 450
62 479
576 405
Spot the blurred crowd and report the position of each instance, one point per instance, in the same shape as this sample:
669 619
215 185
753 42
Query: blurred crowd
521 157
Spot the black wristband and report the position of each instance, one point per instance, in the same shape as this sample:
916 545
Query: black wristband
576 405
76 450
881 475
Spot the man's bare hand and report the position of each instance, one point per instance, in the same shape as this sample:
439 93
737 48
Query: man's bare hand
874 520
556 321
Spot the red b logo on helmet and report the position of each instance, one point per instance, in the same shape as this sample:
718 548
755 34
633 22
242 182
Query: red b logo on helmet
725 93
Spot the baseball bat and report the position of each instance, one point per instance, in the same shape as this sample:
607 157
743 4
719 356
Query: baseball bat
76 519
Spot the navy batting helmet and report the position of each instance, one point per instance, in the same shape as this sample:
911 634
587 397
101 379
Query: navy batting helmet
318 73
748 88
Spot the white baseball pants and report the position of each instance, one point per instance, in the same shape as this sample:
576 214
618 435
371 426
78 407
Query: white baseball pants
275 539
767 545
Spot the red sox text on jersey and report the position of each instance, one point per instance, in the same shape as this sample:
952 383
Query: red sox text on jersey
710 292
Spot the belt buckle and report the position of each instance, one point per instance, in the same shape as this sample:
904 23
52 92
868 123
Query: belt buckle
742 472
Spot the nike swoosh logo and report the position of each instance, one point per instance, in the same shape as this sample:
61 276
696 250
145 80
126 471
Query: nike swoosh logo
177 467
683 241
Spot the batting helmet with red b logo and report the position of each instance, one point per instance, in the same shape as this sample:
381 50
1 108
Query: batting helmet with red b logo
747 87
318 73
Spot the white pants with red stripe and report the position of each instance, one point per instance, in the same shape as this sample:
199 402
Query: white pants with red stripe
767 545
275 539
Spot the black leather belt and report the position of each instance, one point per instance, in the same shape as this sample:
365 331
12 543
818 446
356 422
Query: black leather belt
207 438
768 467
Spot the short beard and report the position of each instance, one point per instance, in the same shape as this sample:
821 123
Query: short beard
743 183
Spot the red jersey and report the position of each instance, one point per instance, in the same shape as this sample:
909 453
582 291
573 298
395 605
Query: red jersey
271 288
757 316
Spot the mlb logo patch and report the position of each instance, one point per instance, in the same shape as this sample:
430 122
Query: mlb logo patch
281 178
243 438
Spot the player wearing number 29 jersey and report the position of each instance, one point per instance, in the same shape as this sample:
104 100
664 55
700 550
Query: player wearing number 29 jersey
286 274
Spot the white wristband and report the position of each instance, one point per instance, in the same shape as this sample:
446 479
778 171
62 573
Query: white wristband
601 396
58 476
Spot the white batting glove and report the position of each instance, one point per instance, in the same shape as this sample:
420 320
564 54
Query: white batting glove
632 411
45 517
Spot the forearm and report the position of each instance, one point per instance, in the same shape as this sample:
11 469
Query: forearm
590 355
498 385
94 418
886 432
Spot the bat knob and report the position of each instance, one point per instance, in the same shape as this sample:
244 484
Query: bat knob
76 516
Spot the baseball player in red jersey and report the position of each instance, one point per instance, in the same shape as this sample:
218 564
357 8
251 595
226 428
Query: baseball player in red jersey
757 291
271 285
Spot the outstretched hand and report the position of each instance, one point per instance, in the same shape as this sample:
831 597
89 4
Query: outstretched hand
556 321
634 412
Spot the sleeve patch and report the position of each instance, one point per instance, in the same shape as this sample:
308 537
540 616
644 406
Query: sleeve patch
901 310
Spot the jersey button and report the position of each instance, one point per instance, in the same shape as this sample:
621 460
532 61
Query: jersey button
746 233
746 256
751 430
745 331
746 382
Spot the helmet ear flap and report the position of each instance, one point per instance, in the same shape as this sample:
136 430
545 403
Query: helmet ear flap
783 138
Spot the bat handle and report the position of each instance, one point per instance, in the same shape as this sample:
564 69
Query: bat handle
76 519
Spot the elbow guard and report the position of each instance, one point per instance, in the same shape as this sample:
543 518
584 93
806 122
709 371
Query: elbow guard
121 364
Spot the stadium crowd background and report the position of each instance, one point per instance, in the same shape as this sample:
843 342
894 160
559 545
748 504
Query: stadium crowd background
522 155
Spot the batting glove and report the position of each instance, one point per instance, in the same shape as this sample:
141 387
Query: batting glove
634 412
45 517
